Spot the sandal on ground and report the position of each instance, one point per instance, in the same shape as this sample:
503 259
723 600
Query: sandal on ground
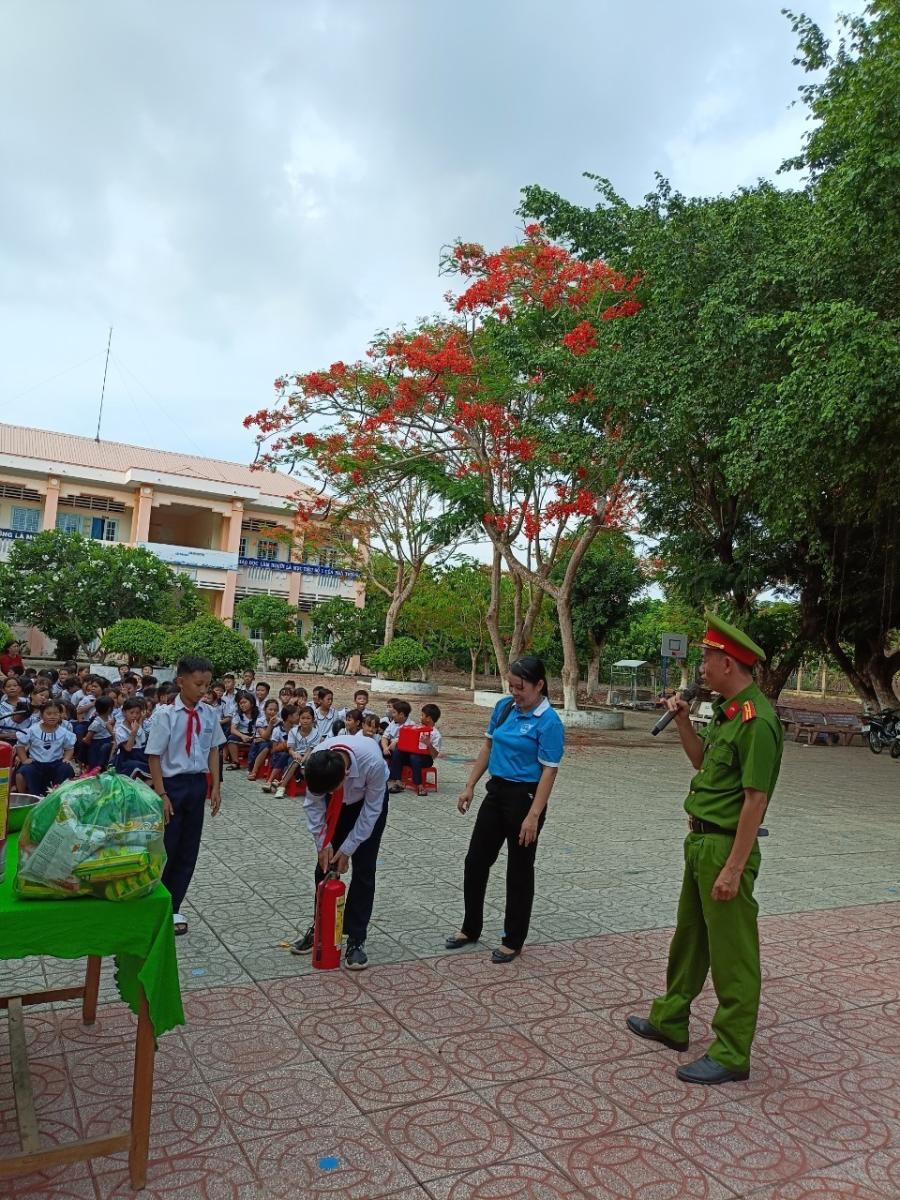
396 788
232 767
504 956
457 943
422 791
180 924
268 787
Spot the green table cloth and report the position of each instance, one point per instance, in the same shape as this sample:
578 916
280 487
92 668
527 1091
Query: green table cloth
139 933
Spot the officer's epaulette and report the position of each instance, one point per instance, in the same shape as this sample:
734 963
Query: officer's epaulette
748 711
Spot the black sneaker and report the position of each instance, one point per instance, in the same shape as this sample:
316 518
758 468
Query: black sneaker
356 958
303 945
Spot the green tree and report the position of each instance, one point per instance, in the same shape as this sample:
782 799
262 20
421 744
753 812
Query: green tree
288 648
346 629
640 636
208 637
73 588
6 633
182 604
268 614
143 642
605 588
399 659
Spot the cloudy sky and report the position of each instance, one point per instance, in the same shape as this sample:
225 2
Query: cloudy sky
244 187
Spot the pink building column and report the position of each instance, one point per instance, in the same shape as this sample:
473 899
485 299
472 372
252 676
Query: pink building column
140 528
51 503
232 539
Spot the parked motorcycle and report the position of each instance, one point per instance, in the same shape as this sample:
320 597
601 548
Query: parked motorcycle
883 729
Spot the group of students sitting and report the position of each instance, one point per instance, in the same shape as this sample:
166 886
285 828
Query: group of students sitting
278 735
68 719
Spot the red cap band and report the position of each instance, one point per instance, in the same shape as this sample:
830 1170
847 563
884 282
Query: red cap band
718 641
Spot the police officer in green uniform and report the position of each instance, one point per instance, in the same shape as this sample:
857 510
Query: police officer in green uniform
737 765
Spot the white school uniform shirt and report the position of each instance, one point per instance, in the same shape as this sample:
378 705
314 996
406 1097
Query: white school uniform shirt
436 740
76 697
366 780
98 728
167 738
229 705
123 733
84 709
324 722
46 745
341 714
241 722
6 708
299 743
260 726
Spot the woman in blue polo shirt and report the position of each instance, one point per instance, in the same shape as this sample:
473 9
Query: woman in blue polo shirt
522 750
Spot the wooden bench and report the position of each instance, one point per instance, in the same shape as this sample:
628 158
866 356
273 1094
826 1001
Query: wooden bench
846 726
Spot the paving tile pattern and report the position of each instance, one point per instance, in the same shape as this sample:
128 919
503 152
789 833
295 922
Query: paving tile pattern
437 1076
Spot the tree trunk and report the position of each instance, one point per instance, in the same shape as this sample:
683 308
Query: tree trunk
773 676
880 669
517 641
403 589
492 620
593 671
861 684
473 656
570 652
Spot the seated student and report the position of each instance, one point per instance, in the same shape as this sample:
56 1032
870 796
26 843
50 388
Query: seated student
129 686
85 710
98 739
45 753
124 670
248 678
302 740
262 738
301 696
148 695
240 729
356 764
12 694
67 671
36 698
285 695
360 704
371 726
17 719
46 679
402 710
131 740
166 693
325 715
279 758
262 693
431 714
229 701
388 727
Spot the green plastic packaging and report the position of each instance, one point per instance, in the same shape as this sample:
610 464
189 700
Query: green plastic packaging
101 835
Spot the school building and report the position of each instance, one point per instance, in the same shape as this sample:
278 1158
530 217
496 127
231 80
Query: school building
226 526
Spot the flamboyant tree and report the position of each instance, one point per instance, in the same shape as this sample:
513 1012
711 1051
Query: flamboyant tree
493 408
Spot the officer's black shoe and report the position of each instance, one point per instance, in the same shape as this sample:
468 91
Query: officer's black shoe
642 1027
706 1070
303 945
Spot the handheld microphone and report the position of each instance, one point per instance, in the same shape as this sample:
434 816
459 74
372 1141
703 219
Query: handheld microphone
689 693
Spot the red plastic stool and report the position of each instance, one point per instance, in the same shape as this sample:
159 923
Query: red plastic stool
295 787
429 778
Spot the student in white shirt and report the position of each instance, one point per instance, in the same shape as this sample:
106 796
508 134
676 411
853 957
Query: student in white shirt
182 749
301 742
280 758
325 714
429 749
262 738
240 729
131 740
98 738
356 765
45 752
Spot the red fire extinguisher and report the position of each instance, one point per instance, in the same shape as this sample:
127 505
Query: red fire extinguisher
328 927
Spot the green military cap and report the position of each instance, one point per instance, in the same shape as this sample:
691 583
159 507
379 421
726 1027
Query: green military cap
722 636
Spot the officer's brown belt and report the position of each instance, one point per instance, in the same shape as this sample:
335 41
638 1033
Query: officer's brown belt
697 826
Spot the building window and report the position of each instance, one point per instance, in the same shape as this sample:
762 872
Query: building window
26 520
69 523
104 529
242 548
267 549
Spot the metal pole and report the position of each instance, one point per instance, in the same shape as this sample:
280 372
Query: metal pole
103 389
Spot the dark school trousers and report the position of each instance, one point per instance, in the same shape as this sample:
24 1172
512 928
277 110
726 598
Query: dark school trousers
503 809
406 758
717 935
188 796
39 777
361 893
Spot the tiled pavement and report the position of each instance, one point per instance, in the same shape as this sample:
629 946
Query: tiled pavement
442 1077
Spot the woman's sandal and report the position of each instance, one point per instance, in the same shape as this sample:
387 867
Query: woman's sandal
457 943
504 956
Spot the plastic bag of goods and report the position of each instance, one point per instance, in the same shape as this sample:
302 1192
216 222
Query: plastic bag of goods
101 835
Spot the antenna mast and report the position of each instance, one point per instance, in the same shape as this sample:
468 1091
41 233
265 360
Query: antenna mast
103 389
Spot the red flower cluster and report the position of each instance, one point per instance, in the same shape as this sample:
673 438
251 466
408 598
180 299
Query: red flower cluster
625 308
581 339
